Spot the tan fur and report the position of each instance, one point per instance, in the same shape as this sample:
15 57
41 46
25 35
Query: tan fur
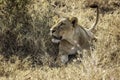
72 37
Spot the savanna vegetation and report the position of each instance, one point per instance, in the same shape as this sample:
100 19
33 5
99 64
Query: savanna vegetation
26 50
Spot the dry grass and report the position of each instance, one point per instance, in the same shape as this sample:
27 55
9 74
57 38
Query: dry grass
25 43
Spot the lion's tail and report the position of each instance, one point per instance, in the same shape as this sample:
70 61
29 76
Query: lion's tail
97 17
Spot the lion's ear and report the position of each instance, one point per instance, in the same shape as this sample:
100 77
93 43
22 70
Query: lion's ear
74 21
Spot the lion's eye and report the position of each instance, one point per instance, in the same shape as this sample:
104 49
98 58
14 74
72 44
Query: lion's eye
61 25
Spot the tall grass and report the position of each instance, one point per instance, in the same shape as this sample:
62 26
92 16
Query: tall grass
26 44
25 30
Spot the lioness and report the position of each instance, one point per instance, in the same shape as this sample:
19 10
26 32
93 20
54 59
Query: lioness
71 36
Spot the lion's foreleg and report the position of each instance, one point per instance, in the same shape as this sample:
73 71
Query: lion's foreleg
62 58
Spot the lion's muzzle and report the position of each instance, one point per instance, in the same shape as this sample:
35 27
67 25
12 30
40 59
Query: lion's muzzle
55 38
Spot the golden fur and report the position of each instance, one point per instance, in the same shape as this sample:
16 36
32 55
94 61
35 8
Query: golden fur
71 36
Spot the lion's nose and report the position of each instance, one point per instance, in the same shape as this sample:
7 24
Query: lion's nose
51 32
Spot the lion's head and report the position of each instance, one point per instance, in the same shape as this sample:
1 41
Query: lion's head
63 29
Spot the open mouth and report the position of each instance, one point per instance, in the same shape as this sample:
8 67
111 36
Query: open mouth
56 39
